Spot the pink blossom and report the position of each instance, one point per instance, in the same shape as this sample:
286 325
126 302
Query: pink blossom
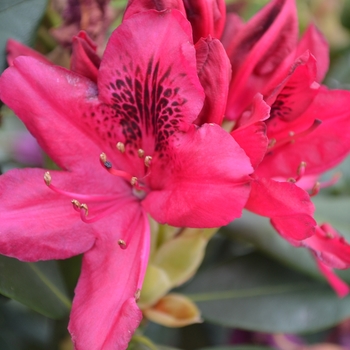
304 129
133 120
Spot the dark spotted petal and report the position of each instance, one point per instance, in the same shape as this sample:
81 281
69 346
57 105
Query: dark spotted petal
148 84
136 6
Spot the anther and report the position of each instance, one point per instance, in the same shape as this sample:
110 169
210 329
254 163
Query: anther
122 244
133 180
108 164
85 208
141 153
121 147
148 160
272 142
292 180
315 189
103 157
301 170
47 178
76 204
137 294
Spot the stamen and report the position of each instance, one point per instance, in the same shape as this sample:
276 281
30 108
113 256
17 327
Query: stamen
121 147
103 212
47 178
148 160
274 143
76 204
315 189
85 208
122 244
103 157
137 294
141 153
133 181
301 170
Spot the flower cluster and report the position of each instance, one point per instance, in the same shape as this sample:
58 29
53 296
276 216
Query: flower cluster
190 116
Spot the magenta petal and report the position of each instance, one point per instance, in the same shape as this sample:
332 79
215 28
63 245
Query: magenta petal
151 83
322 148
288 206
257 51
105 313
136 6
207 17
50 105
294 227
315 42
341 288
15 49
253 141
214 71
36 223
297 92
84 58
271 198
207 165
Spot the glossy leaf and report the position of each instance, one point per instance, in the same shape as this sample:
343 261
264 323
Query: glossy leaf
36 285
256 293
19 20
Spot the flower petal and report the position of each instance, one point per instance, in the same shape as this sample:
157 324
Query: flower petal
136 6
207 17
288 206
84 59
214 71
15 48
257 51
104 313
49 99
152 93
297 91
322 148
314 41
37 223
207 164
341 288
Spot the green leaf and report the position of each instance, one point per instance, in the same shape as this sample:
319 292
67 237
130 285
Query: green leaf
255 293
19 20
36 285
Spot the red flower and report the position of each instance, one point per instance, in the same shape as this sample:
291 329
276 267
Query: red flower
136 124
305 128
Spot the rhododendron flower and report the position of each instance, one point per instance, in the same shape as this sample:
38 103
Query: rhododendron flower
127 146
305 126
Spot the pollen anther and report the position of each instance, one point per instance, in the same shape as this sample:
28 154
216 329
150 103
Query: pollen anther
137 294
47 178
148 160
141 153
103 157
85 208
122 244
133 180
76 204
121 147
